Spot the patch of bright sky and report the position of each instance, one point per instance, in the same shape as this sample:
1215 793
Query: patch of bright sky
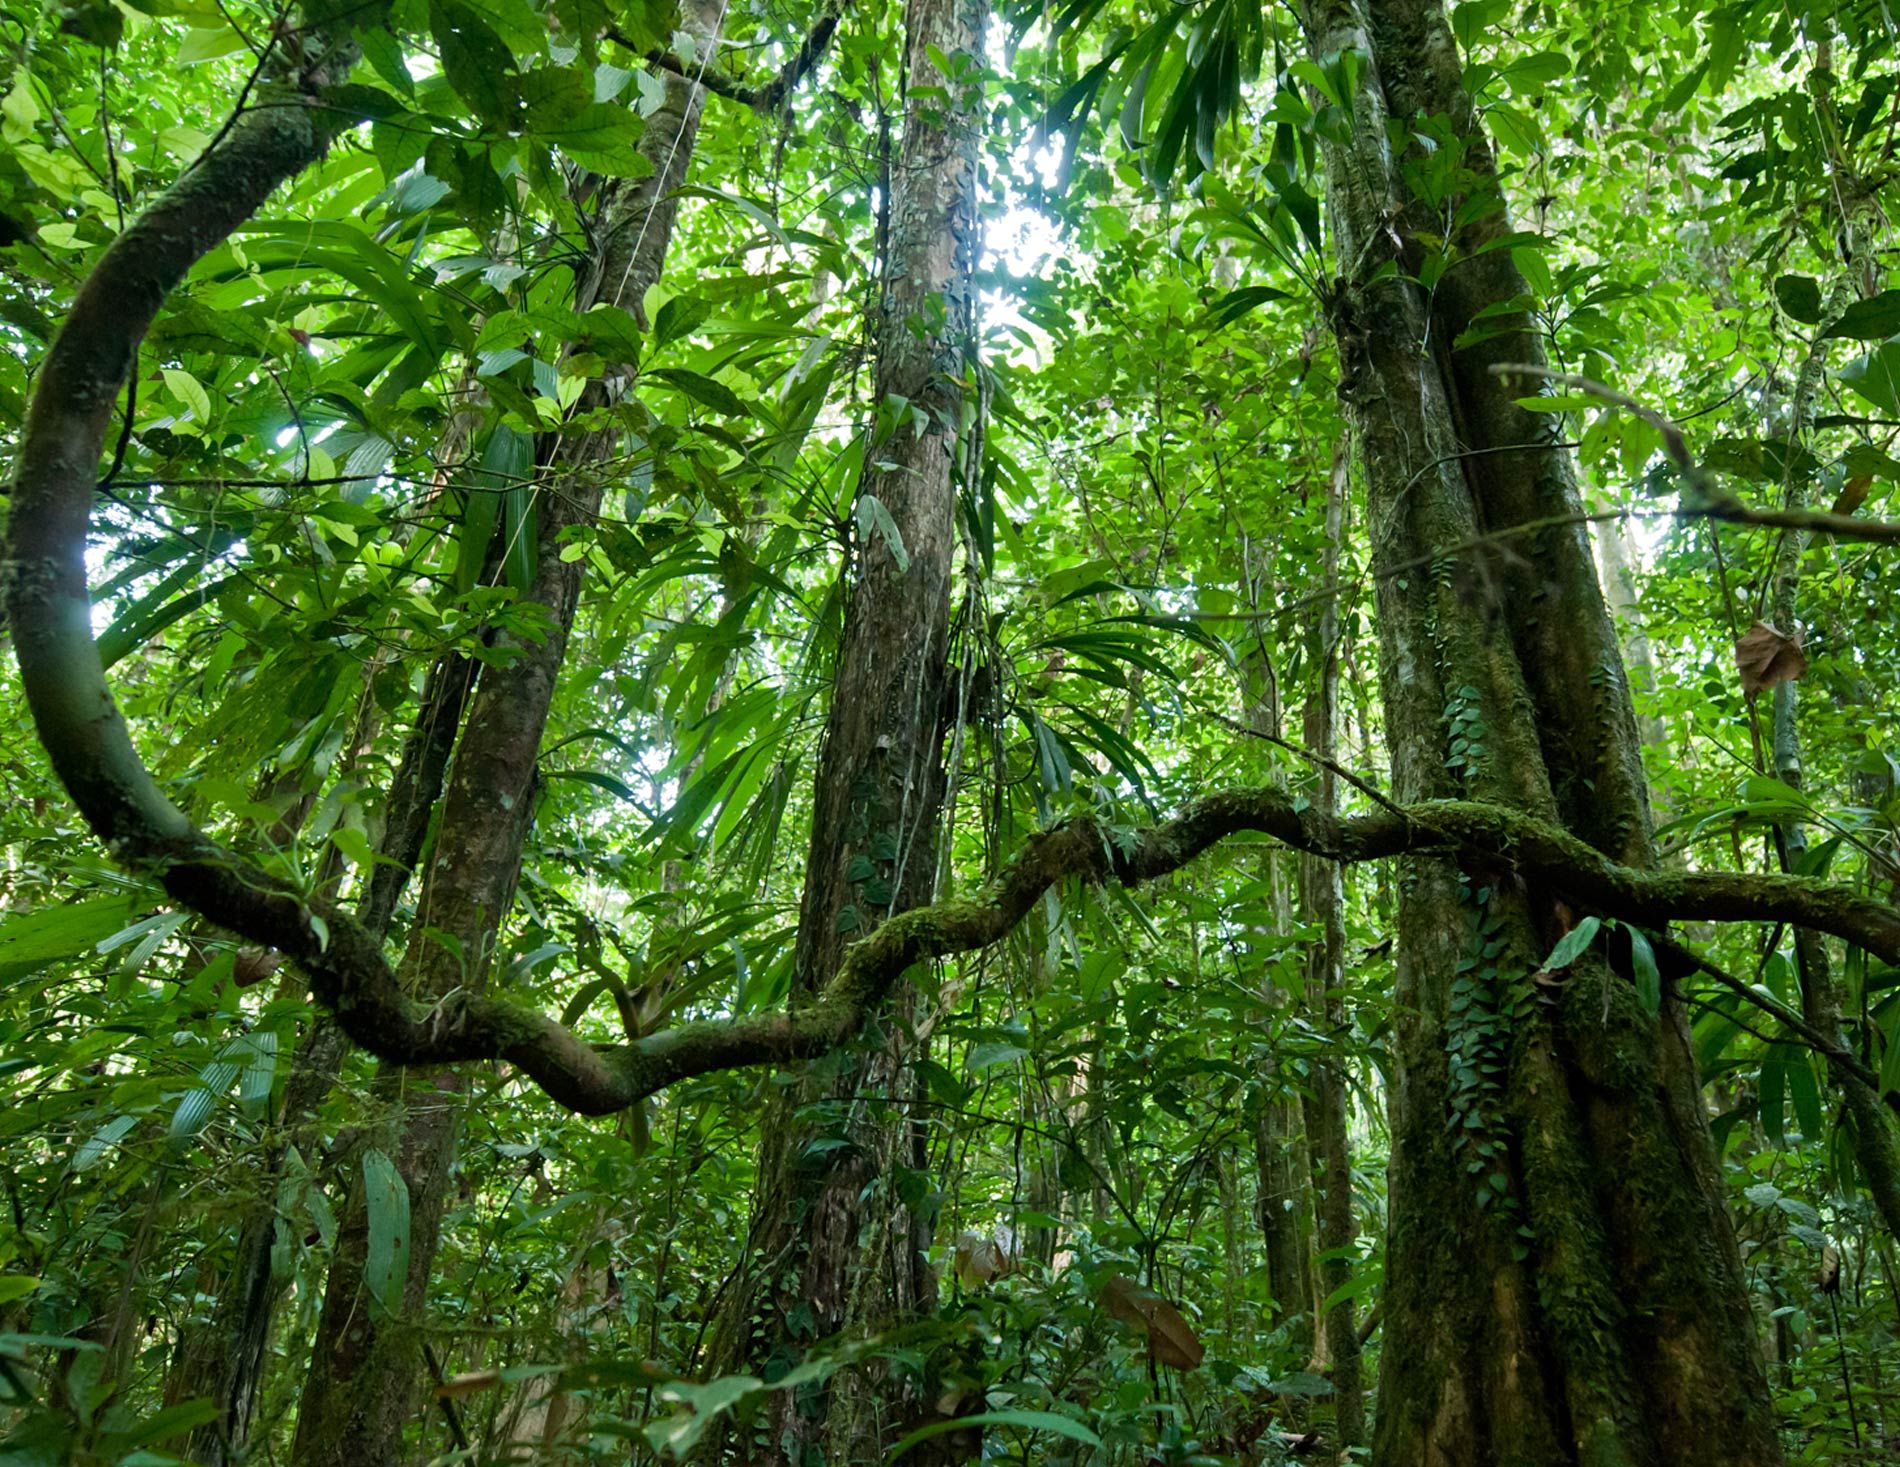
1016 238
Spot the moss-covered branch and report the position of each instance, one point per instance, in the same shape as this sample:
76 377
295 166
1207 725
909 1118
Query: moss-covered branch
92 751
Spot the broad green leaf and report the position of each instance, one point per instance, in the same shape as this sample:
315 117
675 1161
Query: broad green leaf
104 1139
188 390
1048 1421
477 62
1800 297
1867 320
1876 377
1572 944
601 137
386 1200
31 940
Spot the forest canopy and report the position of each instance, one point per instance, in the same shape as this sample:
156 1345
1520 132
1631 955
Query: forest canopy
804 732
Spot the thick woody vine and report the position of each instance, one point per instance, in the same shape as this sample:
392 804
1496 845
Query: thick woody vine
287 129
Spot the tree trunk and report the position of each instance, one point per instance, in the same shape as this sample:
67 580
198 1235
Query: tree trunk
1283 1200
1322 900
361 1388
223 1360
1282 1167
1870 1123
1562 1282
838 1234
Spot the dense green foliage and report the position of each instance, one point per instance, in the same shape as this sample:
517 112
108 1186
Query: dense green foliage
326 482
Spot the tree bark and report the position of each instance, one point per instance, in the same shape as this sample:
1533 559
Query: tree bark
1283 1173
1562 1282
837 1238
224 1359
361 1390
1322 902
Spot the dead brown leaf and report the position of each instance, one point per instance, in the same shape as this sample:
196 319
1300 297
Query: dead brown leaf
1765 656
1853 494
457 1386
1171 1339
979 1258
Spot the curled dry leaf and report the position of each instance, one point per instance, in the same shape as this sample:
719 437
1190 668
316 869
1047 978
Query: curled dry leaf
255 964
981 1258
1765 656
1853 494
466 1385
1171 1339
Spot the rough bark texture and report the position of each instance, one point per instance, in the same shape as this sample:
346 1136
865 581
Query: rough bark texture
833 1243
1322 906
361 1390
1562 1281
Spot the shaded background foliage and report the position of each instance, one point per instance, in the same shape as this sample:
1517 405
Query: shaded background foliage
321 492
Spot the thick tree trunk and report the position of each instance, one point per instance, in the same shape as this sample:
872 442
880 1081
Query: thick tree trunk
1562 1283
836 1241
1322 902
365 1365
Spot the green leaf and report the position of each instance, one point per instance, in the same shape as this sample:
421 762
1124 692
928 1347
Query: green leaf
67 930
1890 1060
601 137
477 62
1772 1091
107 1136
386 1199
715 395
384 53
1571 945
1244 301
1047 1421
679 1433
197 1104
681 315
208 43
16 1286
1876 377
873 518
1869 320
1643 966
983 1056
188 390
1805 1092
1362 1282
1800 297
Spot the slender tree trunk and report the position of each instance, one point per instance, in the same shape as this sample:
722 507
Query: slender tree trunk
224 1359
1562 1282
361 1389
838 1238
1870 1123
1283 1177
1283 1172
1322 899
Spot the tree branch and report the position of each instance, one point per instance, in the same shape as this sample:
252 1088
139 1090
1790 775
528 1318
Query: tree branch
766 97
92 751
1716 503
